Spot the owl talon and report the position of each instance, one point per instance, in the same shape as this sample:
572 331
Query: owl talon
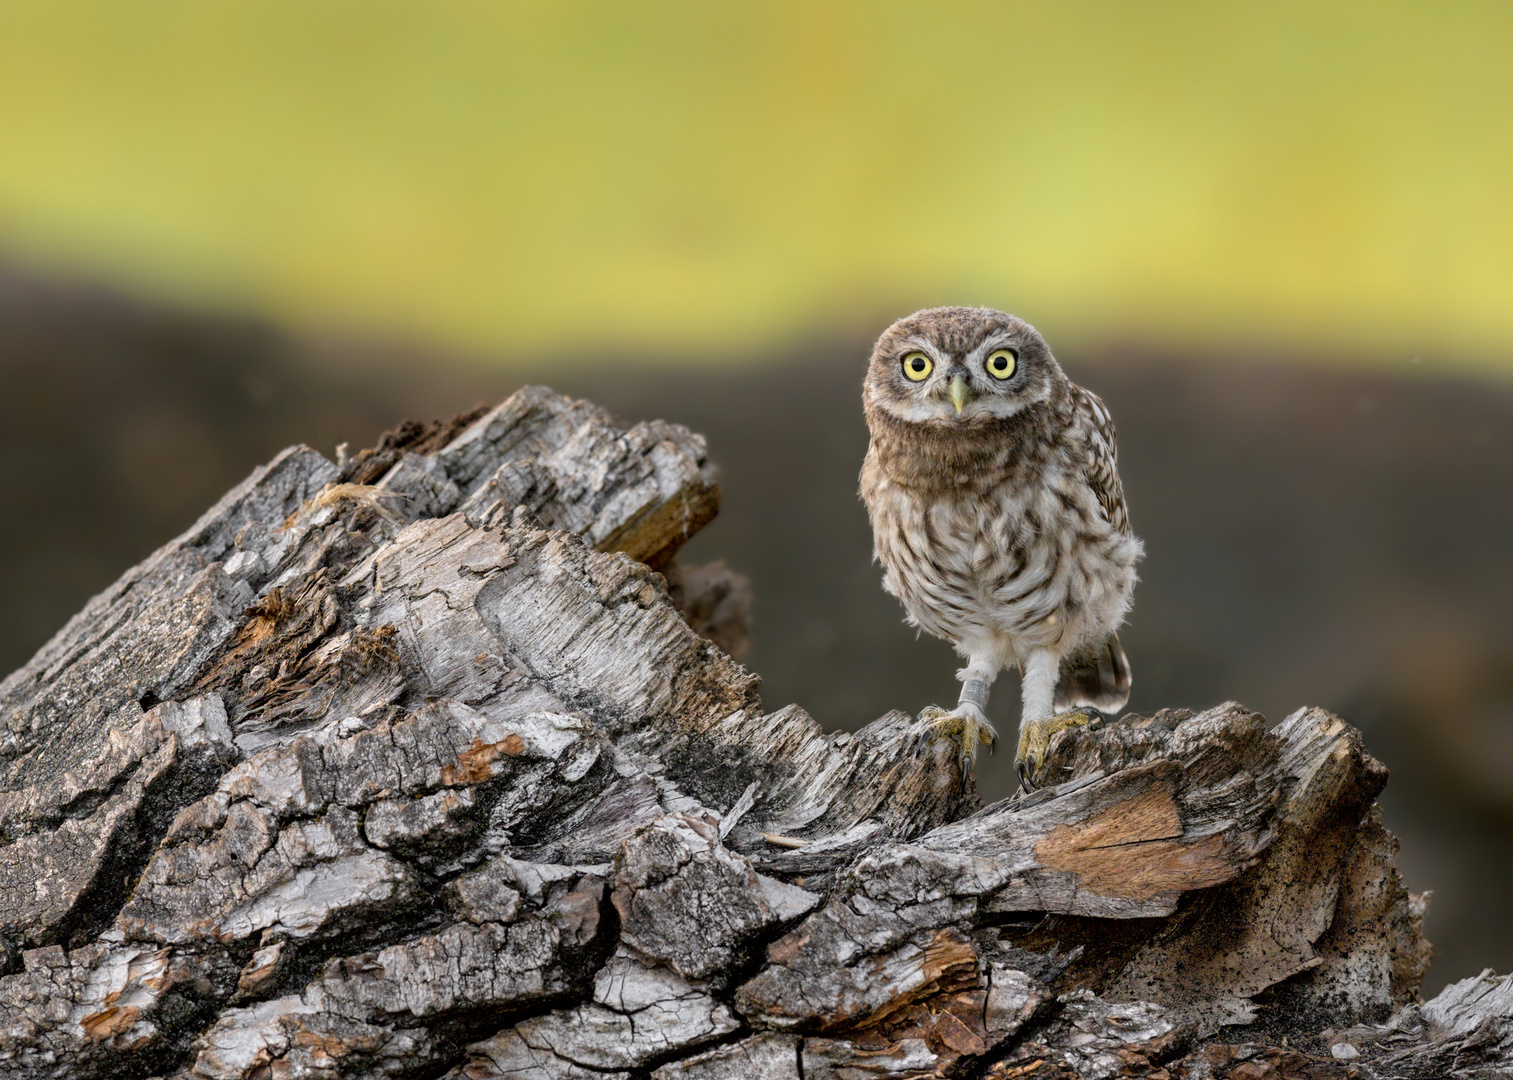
1035 741
965 724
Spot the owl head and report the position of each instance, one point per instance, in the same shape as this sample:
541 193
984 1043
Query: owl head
959 367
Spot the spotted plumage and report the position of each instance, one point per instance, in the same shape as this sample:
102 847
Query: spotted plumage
997 512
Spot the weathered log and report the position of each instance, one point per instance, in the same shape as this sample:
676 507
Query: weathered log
414 765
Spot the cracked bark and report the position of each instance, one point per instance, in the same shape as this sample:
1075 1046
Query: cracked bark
415 764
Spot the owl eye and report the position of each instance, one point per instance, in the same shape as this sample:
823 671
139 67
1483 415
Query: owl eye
1001 363
917 367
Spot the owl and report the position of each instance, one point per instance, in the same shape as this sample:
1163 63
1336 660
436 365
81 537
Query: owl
999 519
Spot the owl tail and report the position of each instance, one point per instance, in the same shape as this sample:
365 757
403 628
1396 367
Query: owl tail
1096 675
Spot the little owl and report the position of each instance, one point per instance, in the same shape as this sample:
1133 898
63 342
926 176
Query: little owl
999 519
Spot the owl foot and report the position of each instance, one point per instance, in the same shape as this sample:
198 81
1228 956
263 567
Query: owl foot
965 723
1035 740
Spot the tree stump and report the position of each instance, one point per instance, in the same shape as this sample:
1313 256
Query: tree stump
409 765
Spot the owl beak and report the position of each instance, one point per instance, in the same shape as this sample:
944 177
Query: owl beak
960 395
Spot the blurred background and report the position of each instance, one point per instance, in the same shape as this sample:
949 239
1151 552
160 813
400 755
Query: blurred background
1277 239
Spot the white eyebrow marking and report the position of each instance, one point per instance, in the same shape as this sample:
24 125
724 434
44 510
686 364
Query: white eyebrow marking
926 346
993 341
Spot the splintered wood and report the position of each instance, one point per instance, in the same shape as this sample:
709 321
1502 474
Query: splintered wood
415 765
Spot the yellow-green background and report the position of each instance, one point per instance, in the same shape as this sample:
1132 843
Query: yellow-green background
710 178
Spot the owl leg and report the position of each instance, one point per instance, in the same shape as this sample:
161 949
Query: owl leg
1038 723
976 680
968 722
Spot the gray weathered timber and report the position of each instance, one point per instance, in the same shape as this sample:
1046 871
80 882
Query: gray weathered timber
432 762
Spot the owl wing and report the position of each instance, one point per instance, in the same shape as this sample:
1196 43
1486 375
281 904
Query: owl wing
1101 470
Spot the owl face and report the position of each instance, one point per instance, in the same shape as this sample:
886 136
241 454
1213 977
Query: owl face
959 367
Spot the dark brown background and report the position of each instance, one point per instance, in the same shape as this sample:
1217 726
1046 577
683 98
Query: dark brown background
1315 534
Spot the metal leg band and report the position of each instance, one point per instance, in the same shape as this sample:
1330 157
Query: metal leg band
974 692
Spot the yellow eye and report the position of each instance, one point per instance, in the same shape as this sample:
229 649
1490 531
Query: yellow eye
917 367
1001 363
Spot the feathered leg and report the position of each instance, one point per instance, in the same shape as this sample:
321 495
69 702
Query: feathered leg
1039 722
968 722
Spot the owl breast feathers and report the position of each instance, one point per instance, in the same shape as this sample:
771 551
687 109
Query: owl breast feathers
997 511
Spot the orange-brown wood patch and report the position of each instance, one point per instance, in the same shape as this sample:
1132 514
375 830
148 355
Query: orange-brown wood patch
1133 850
109 1022
474 764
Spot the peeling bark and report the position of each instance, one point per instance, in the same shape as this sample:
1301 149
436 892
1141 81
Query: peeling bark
434 762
